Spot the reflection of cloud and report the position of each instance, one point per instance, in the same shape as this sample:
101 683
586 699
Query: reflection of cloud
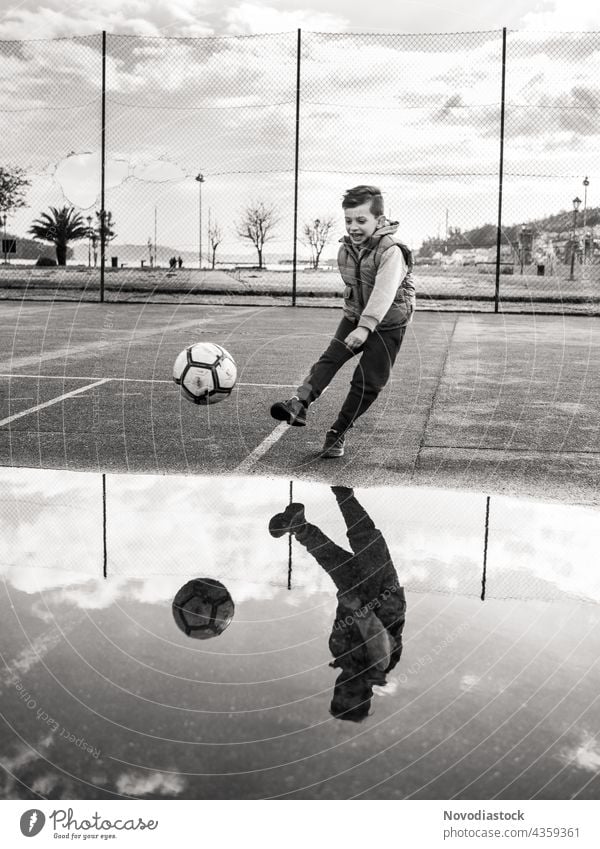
13 764
164 530
33 654
585 754
155 783
45 784
467 682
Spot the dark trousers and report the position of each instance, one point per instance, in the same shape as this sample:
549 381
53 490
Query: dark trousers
372 373
365 570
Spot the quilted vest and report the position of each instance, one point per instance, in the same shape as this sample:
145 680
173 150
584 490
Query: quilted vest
359 272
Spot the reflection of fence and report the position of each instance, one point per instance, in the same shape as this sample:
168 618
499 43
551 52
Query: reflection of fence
460 544
471 137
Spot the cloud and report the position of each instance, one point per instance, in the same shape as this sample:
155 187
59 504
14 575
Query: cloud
252 18
562 16
55 19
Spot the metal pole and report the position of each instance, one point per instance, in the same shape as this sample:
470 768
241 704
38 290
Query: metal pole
500 172
105 565
485 548
296 165
289 585
586 183
200 180
89 221
103 167
572 276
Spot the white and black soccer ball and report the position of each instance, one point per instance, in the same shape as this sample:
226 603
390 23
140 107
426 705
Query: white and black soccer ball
205 372
203 608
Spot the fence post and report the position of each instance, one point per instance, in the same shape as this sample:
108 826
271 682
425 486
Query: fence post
103 167
296 161
500 172
105 558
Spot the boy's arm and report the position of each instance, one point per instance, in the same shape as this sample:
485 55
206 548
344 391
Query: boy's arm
390 274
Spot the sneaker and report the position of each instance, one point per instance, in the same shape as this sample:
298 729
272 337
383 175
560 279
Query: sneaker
334 444
288 522
293 412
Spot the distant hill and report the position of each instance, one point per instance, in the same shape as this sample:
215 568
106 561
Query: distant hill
561 222
131 255
485 236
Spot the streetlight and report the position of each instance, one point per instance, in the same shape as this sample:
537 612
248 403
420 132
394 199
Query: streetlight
576 205
586 183
89 221
200 180
3 219
522 248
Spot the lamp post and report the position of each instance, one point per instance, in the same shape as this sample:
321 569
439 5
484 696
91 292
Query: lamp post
522 248
576 205
200 179
89 221
3 219
586 183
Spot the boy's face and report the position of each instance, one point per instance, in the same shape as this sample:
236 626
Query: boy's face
360 222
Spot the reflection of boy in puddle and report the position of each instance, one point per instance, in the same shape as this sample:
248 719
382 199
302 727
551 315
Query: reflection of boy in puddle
366 639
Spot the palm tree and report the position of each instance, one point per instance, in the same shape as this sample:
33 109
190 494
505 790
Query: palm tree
60 226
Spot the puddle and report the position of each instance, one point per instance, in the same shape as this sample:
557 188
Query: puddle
466 627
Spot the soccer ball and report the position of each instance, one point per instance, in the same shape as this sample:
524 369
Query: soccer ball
205 372
203 608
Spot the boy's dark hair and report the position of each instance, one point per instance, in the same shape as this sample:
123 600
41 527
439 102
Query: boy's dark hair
361 194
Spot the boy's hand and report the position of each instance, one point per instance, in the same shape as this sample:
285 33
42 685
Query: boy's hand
357 338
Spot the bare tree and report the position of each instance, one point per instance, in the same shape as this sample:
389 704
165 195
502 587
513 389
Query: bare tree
215 237
317 235
256 223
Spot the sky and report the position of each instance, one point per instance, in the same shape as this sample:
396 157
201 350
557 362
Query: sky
193 18
417 114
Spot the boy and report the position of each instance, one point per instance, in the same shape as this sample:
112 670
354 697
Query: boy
366 638
379 301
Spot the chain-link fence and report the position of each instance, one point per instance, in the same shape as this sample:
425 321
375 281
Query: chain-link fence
213 168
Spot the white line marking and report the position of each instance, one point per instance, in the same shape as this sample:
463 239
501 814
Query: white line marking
64 377
53 401
261 449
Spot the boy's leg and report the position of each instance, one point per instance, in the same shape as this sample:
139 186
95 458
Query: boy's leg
321 373
370 376
373 560
334 559
327 366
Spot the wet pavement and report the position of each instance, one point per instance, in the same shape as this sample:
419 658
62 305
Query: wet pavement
386 642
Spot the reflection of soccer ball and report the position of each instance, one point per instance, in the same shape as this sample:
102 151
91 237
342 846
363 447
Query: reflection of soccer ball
206 373
203 608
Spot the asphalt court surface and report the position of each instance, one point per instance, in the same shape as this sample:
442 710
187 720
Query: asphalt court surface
498 403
